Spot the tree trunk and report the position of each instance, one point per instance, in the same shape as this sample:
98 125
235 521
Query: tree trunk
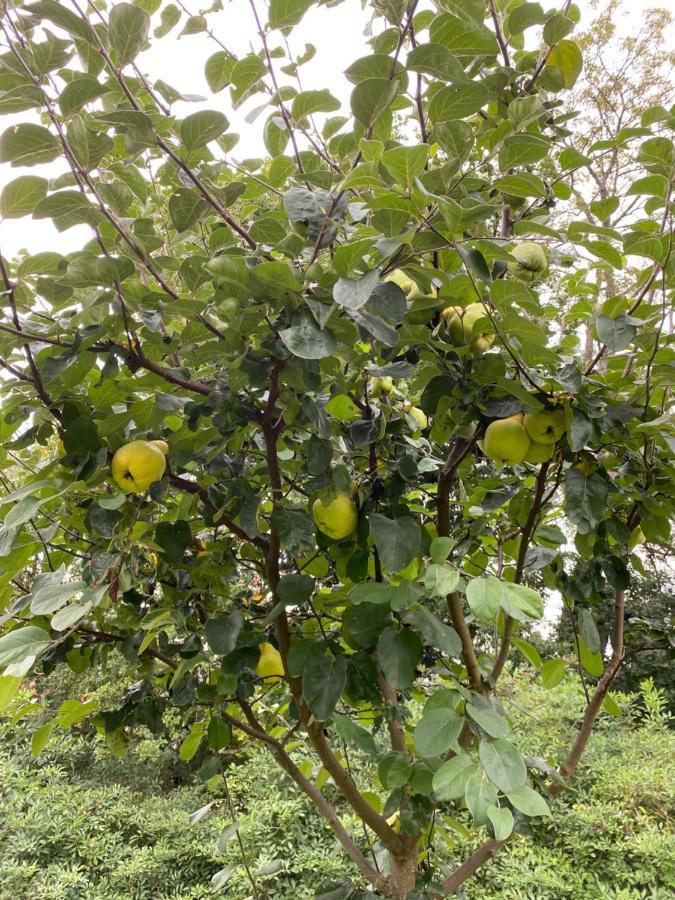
403 874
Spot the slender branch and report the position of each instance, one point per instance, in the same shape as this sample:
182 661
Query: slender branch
544 55
35 378
192 487
282 105
205 193
593 708
479 857
526 536
286 763
499 34
461 449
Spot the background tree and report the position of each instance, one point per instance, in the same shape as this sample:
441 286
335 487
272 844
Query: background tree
360 393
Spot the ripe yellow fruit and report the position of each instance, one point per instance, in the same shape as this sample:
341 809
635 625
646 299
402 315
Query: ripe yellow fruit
506 441
545 426
460 322
270 665
161 445
531 262
338 518
137 465
417 415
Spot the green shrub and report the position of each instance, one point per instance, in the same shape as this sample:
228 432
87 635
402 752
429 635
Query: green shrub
83 825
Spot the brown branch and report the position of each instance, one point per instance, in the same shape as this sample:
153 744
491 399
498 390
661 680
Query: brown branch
205 193
499 34
192 487
461 449
103 637
253 729
544 55
282 105
568 767
526 536
35 378
479 857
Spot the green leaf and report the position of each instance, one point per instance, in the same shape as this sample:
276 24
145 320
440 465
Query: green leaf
437 731
222 632
436 60
523 185
41 738
20 644
503 764
463 37
294 589
450 780
287 13
440 548
617 333
502 821
225 836
589 630
456 138
480 795
173 538
567 57
186 208
399 653
79 92
28 145
457 102
397 540
169 18
522 150
309 102
556 28
323 680
585 499
394 771
353 733
590 660
218 70
307 341
441 580
20 197
529 651
20 98
190 744
371 97
219 733
88 146
406 163
202 127
490 720
9 687
521 602
128 28
525 16
552 673
528 801
434 632
485 596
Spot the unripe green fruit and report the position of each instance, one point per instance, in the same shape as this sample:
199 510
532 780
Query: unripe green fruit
506 441
531 264
378 385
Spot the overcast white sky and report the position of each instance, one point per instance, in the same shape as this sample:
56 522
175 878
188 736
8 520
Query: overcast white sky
338 35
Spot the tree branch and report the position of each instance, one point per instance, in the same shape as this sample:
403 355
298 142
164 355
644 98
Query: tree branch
526 536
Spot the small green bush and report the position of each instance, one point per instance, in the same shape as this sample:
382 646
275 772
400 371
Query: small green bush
80 824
